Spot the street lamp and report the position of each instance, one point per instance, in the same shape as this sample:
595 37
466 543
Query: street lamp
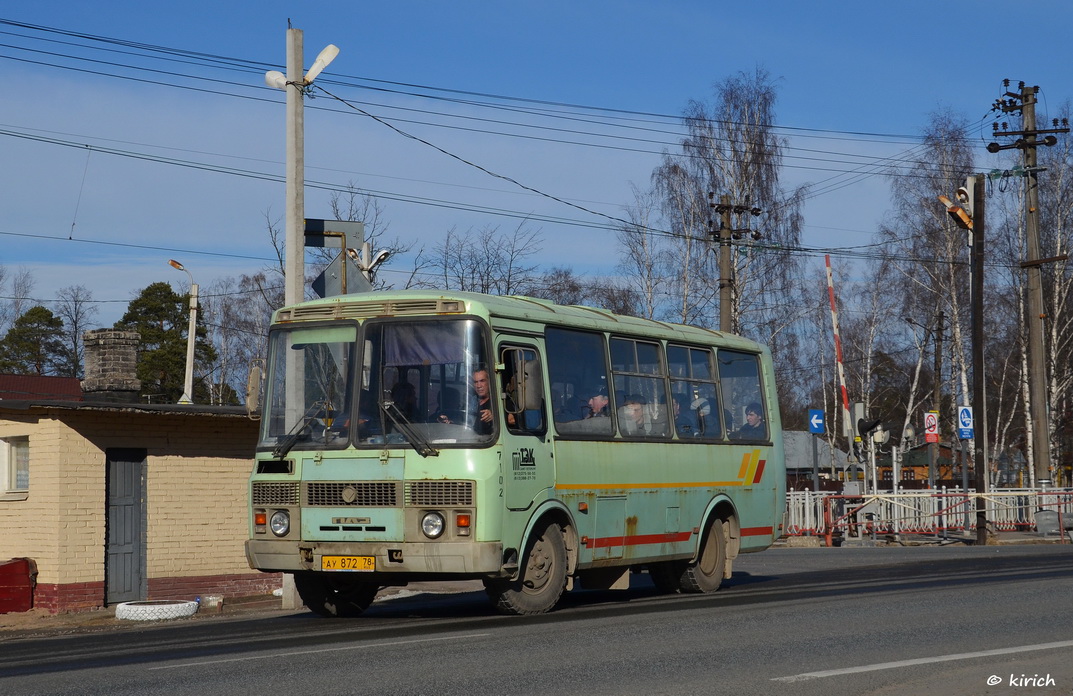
191 332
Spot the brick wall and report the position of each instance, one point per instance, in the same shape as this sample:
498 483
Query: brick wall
79 596
29 523
239 585
197 468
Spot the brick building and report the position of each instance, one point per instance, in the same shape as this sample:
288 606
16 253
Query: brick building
122 501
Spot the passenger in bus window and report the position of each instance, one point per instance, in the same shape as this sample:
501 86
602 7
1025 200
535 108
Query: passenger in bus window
632 420
598 402
685 418
754 428
482 421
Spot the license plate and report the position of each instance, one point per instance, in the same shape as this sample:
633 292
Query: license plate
353 564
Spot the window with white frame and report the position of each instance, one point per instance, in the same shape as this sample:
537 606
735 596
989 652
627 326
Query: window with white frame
15 452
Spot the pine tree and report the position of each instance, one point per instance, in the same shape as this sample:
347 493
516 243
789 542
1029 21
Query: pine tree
160 316
34 344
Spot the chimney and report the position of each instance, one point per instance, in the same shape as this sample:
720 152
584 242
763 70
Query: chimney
111 360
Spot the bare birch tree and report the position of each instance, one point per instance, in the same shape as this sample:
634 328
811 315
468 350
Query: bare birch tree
74 305
484 260
927 252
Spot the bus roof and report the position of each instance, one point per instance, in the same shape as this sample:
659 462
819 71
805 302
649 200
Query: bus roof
516 307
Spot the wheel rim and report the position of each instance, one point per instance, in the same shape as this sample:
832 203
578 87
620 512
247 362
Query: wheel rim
709 559
540 566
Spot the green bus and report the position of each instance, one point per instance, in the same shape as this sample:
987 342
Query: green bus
415 436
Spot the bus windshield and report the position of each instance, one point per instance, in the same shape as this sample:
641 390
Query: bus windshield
427 381
313 410
424 384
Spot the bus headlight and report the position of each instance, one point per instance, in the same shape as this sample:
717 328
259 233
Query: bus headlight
280 523
432 524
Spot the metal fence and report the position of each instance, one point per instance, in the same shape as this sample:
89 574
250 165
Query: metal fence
934 512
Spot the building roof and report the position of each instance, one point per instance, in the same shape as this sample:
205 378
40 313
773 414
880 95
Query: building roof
23 387
798 449
59 405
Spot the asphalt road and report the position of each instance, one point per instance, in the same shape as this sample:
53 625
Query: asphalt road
917 620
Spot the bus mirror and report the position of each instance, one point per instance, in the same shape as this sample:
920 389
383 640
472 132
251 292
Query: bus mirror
253 387
515 387
534 389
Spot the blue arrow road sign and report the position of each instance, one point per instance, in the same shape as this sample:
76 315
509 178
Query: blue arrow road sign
965 424
815 421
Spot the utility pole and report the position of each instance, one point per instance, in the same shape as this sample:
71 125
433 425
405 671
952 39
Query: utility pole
727 233
975 192
294 227
1025 102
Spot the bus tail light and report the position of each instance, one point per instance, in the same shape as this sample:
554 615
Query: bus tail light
462 522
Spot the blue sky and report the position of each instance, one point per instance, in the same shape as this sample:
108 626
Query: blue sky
111 222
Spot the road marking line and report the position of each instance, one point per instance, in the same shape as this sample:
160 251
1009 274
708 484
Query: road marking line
923 661
321 650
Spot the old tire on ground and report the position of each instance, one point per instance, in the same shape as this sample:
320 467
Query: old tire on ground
334 595
155 610
706 574
541 580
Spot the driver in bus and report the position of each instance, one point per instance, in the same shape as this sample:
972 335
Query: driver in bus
482 420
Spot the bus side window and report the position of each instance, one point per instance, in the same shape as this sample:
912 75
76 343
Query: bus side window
742 391
523 391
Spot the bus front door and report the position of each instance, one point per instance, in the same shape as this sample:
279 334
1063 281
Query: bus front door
527 467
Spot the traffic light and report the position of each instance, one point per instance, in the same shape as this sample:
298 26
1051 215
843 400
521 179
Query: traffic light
865 427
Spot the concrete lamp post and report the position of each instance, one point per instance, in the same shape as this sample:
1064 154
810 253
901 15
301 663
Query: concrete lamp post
191 334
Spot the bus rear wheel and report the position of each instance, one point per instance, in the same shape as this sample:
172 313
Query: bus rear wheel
706 574
541 580
333 596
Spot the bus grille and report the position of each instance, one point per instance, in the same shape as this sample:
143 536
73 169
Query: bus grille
439 493
387 493
356 494
274 493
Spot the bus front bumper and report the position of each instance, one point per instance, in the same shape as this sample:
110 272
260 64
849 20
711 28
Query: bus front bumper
444 558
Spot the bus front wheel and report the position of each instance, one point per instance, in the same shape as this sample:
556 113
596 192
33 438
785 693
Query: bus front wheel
541 580
706 574
333 596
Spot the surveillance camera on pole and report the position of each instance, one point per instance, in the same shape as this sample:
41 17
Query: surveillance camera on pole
366 261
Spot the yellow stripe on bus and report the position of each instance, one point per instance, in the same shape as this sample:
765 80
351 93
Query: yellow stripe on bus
618 486
754 461
744 466
749 462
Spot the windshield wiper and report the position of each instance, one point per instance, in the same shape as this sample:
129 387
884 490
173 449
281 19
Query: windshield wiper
405 427
300 428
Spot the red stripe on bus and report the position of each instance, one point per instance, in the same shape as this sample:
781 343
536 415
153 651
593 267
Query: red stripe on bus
637 540
759 471
757 531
